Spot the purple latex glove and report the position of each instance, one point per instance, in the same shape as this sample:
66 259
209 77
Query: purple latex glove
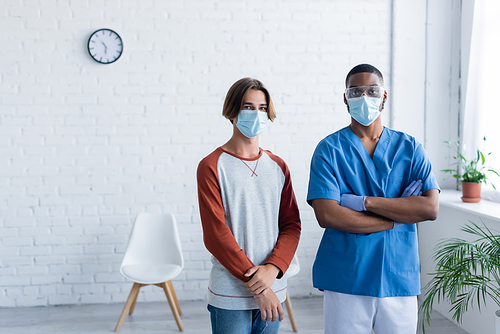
353 202
414 189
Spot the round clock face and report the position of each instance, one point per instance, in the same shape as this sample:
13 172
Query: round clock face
105 46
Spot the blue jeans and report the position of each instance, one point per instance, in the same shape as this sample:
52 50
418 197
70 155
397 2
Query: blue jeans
240 322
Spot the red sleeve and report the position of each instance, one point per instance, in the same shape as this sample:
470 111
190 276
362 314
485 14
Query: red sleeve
218 238
289 223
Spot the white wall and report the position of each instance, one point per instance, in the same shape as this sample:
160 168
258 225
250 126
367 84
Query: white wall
408 67
84 147
442 103
426 75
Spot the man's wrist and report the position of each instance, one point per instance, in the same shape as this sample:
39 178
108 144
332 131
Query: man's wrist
274 268
263 294
368 202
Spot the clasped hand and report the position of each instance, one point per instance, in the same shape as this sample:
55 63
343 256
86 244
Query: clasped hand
262 278
260 286
270 306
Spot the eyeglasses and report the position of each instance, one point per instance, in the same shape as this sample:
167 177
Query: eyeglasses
370 91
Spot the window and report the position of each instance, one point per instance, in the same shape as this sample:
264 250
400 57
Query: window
481 114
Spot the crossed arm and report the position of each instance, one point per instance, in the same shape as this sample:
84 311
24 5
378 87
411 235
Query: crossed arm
380 214
406 210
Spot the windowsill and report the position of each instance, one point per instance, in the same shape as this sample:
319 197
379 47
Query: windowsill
486 209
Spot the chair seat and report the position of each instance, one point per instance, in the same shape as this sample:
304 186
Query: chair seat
293 270
150 274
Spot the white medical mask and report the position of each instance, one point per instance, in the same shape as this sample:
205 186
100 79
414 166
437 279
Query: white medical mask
364 109
251 122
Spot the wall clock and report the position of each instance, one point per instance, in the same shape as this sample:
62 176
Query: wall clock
105 46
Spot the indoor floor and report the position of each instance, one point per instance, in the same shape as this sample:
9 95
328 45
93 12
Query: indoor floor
155 317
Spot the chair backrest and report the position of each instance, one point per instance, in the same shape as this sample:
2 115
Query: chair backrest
154 240
294 267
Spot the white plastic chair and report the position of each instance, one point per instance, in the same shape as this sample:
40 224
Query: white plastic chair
153 256
293 270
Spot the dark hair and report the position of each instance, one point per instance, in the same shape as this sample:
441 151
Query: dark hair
364 68
234 97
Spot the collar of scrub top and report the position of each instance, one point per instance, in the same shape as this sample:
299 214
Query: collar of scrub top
380 149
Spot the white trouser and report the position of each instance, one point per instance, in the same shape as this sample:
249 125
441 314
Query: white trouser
353 314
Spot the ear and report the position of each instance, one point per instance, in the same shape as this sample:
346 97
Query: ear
384 100
234 120
345 101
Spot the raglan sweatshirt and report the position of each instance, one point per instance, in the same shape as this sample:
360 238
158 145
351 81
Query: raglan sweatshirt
250 217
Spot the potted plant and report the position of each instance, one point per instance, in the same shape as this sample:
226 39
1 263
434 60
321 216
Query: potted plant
470 173
467 272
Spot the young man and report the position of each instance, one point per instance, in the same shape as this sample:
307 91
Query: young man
368 186
250 219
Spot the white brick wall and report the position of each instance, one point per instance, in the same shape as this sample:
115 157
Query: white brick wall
84 147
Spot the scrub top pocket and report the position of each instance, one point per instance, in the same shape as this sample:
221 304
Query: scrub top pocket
338 250
403 251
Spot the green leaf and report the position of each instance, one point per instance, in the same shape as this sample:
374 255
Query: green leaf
467 272
448 170
493 171
469 170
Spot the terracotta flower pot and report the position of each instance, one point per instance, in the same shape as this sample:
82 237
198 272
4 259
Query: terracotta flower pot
471 192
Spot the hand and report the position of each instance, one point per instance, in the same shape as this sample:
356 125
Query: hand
353 202
414 189
269 306
263 278
396 225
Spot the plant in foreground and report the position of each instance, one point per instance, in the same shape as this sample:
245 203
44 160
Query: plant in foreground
467 272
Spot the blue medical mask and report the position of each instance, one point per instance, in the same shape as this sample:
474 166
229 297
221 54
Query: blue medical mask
251 122
364 109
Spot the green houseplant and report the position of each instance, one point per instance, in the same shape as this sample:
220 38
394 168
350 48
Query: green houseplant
470 173
467 272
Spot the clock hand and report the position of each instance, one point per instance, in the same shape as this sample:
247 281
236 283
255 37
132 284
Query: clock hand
105 48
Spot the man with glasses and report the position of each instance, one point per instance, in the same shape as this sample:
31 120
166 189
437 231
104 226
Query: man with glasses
368 186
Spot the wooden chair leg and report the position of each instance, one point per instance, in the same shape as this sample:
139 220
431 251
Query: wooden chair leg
289 310
132 307
133 295
173 307
175 297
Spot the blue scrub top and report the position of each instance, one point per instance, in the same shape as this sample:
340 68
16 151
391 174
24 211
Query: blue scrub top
381 264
